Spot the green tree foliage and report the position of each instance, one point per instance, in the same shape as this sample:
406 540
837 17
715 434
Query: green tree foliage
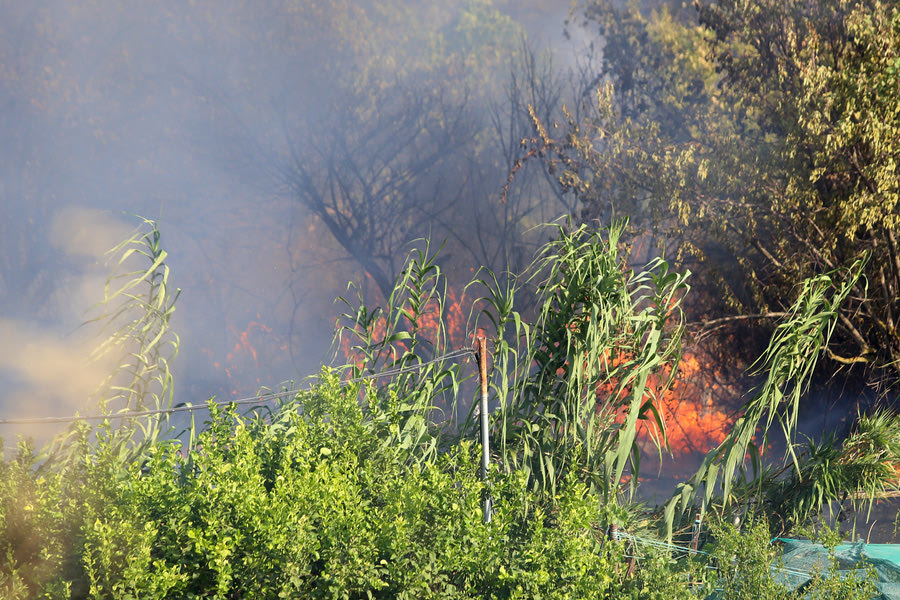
47 505
853 471
410 340
749 566
762 138
138 343
306 500
747 558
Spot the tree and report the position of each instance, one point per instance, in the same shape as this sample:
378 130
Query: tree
366 182
760 139
388 157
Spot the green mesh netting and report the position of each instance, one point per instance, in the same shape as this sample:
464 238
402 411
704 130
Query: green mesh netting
800 558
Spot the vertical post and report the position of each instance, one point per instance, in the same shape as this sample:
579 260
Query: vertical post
481 348
695 535
695 545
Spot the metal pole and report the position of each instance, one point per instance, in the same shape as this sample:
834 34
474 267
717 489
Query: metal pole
481 344
695 537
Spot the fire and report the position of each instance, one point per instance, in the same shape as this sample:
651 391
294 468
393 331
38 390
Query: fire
691 409
242 363
695 407
454 320
350 344
431 324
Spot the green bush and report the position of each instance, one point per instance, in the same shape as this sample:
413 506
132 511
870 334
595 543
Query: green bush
748 566
31 548
301 506
350 492
309 501
45 507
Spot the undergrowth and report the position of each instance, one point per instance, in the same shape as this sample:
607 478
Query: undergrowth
371 490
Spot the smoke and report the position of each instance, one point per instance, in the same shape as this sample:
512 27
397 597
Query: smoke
52 374
107 110
85 233
227 122
191 114
46 366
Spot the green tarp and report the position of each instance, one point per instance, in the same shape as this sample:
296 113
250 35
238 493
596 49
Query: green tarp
800 558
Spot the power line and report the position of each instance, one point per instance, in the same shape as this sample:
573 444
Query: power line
241 401
399 370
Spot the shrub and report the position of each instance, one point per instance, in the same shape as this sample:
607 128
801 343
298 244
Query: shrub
301 506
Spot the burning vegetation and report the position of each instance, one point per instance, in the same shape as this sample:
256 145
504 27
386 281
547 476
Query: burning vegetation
580 388
747 148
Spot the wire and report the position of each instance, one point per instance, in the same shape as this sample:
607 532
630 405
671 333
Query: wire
638 541
399 370
241 401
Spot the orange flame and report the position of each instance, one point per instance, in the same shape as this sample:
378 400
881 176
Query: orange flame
242 363
694 408
428 325
695 422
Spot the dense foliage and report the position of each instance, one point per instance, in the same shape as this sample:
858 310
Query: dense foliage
758 138
354 489
598 352
307 501
301 504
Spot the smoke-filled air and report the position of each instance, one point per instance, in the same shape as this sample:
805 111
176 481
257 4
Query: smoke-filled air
674 225
283 148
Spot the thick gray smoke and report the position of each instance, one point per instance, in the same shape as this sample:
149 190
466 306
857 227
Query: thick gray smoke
217 119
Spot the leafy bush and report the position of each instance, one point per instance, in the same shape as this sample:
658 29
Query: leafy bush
749 567
45 508
351 491
301 506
